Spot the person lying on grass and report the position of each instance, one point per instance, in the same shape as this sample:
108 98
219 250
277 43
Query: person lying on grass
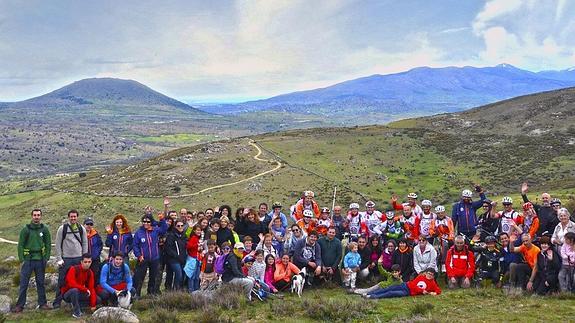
423 284
389 279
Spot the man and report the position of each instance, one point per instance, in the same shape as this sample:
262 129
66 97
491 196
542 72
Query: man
115 278
410 224
355 226
330 254
307 253
509 218
233 272
305 203
459 264
411 202
391 228
490 261
71 243
263 215
338 222
79 286
371 217
95 246
464 212
33 252
521 271
425 220
147 251
365 252
277 212
544 211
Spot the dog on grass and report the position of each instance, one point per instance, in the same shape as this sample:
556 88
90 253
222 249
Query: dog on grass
298 281
125 299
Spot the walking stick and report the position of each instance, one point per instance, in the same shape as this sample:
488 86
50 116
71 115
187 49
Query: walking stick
333 202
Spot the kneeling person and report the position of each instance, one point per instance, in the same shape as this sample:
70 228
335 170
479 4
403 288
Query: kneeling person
114 279
79 286
460 264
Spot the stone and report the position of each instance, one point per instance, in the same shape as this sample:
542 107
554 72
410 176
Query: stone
115 314
5 303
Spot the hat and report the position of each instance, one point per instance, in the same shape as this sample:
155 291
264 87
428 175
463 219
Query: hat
249 259
276 204
324 210
239 245
89 221
308 193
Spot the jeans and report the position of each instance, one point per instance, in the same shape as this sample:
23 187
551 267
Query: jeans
246 283
29 266
400 290
141 269
62 271
566 275
77 298
194 280
174 276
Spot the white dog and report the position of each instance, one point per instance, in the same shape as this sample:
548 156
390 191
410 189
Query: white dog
125 299
298 281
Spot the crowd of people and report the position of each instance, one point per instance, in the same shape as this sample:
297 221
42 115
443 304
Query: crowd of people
404 249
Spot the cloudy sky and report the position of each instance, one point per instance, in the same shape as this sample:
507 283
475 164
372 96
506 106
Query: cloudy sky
233 50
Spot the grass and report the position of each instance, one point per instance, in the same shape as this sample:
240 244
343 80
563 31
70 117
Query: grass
179 138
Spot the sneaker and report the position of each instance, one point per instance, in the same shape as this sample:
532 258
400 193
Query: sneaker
55 306
77 315
18 309
43 307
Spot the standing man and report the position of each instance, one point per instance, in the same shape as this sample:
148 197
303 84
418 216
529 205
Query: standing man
331 254
464 215
33 252
544 211
71 243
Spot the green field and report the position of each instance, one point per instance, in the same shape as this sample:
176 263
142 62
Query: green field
179 138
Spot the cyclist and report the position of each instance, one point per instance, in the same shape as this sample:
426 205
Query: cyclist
464 212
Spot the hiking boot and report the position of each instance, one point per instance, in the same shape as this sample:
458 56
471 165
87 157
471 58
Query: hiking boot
18 309
43 307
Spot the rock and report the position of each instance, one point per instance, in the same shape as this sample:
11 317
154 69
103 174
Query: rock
50 281
52 262
5 303
115 314
10 259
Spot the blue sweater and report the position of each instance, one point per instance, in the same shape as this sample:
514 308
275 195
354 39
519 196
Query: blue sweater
351 260
115 277
464 214
146 242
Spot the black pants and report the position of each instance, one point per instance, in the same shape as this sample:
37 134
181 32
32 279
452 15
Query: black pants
62 271
141 269
493 275
78 299
520 274
539 284
282 285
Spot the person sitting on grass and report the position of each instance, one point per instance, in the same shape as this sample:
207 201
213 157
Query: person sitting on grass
233 272
284 273
389 279
114 279
79 286
423 284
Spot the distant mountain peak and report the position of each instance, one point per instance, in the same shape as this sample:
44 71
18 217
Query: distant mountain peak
505 65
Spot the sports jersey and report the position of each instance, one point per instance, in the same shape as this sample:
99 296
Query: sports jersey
322 226
507 219
356 226
425 224
371 220
442 228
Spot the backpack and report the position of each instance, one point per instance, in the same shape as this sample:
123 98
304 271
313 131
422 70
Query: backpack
110 270
219 264
65 232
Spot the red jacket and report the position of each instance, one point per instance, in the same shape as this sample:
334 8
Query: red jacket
420 283
460 263
193 246
82 280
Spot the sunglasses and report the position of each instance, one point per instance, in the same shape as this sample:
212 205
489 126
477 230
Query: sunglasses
506 204
179 225
295 230
146 221
89 224
227 248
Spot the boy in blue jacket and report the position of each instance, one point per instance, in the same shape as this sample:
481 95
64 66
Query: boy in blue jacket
351 263
147 251
115 278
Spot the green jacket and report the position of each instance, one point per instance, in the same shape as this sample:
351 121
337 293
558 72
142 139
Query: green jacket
34 242
388 279
330 252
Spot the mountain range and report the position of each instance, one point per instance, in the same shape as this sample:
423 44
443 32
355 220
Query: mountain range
419 91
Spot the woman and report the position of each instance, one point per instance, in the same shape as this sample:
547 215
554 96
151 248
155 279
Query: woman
403 256
119 238
386 258
294 234
567 272
251 226
269 273
529 220
284 272
224 210
194 251
266 245
548 266
375 247
565 225
424 256
175 255
224 234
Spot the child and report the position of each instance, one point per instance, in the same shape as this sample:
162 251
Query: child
351 263
324 222
389 279
278 233
194 249
248 244
423 284
208 273
269 273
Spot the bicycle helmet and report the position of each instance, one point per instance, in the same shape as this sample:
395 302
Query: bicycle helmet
490 239
389 215
440 208
308 194
466 194
426 203
308 213
412 196
555 201
325 210
276 204
507 200
370 204
354 206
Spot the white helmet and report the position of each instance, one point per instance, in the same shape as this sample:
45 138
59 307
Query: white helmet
308 194
440 208
466 193
412 195
507 200
308 213
426 203
370 204
354 206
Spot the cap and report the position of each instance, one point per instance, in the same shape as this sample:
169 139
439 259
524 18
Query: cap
239 245
89 221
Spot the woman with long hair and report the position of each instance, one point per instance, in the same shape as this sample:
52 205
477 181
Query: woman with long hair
119 238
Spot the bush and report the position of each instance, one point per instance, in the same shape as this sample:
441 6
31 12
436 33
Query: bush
162 315
337 309
421 309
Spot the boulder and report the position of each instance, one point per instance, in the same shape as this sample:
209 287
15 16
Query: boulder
10 259
50 281
115 314
5 303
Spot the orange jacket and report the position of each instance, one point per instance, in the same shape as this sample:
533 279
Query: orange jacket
284 272
299 207
442 228
309 227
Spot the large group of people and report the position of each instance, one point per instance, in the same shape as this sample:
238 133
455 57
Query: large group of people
404 249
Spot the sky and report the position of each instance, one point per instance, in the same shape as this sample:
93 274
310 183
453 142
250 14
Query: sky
224 51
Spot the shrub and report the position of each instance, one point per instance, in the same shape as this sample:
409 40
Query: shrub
163 315
421 309
337 309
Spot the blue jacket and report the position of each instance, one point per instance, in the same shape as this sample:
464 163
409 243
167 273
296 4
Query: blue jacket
282 217
112 276
146 242
464 214
351 260
95 246
120 242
